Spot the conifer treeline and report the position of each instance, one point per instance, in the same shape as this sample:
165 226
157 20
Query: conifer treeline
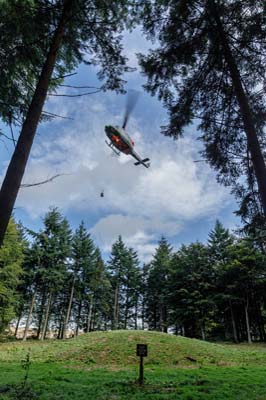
210 291
66 286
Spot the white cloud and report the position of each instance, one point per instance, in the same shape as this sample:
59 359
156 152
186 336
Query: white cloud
139 204
134 42
138 232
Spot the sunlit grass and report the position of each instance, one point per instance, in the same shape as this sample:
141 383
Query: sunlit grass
103 365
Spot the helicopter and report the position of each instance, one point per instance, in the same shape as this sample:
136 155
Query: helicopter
120 141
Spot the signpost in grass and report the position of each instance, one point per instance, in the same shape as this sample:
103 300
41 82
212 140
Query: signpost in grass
142 351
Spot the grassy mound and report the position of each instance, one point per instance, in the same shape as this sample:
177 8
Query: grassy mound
103 366
118 348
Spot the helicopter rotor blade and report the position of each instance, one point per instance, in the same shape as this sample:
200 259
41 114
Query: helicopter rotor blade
132 99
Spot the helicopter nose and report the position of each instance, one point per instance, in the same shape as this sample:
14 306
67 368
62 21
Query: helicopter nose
108 130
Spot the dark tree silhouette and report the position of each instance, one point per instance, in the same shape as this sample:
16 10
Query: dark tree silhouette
78 28
210 65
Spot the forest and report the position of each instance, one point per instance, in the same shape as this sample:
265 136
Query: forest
73 307
56 281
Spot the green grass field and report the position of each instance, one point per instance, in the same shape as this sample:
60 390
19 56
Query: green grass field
103 365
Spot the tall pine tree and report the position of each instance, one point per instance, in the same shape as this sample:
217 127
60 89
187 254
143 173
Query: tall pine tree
11 259
81 31
83 267
157 291
210 65
54 243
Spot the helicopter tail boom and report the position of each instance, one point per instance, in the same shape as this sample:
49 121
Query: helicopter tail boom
143 162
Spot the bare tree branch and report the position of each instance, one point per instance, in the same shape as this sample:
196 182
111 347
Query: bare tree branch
49 114
74 95
63 76
7 137
4 143
81 87
26 185
12 135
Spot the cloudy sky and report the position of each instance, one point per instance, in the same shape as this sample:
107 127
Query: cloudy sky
176 197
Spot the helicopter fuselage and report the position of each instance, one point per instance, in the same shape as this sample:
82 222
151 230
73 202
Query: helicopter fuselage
121 141
119 138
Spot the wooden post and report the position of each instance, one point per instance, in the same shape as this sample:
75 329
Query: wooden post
142 351
141 371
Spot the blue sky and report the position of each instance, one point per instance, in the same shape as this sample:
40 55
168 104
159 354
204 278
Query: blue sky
176 197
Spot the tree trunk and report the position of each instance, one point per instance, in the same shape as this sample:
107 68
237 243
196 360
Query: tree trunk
90 314
155 327
259 318
160 326
136 315
143 315
69 308
126 312
233 323
116 308
47 312
183 331
261 326
59 334
29 317
164 316
40 319
17 325
105 323
242 330
202 330
163 319
247 322
17 165
250 130
78 318
93 325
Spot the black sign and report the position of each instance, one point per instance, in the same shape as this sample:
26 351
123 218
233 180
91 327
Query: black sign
142 350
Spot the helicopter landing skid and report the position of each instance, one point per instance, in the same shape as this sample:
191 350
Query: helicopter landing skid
112 147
